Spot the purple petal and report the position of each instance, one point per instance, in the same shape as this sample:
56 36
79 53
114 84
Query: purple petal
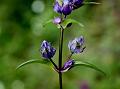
68 65
57 7
67 9
81 40
67 2
57 20
77 3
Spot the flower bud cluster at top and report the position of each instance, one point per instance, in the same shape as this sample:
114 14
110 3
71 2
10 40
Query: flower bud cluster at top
67 6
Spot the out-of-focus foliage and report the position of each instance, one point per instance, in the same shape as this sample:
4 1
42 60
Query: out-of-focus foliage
21 33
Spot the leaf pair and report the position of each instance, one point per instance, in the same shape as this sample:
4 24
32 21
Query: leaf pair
77 63
65 23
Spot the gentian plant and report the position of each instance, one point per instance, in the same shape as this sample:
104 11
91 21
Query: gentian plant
76 46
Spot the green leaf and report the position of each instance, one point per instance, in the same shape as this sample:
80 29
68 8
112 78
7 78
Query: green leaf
32 61
47 22
69 21
89 65
90 3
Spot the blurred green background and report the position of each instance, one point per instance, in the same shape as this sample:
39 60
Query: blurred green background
21 34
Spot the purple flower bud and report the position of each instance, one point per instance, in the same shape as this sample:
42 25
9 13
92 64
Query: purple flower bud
67 6
68 65
67 9
77 3
76 46
47 50
57 7
57 20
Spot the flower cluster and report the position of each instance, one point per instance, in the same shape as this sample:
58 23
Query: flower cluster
75 46
67 6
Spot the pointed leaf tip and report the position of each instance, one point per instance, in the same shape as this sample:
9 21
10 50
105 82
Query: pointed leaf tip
30 62
89 65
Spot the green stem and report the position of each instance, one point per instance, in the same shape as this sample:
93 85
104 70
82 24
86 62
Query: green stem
69 57
60 55
53 63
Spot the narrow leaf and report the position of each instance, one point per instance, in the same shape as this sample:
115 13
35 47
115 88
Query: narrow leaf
90 3
47 22
30 62
89 65
70 21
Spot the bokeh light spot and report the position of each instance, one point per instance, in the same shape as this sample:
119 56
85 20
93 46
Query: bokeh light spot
2 85
17 84
38 6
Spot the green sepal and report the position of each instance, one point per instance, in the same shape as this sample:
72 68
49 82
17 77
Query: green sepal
69 21
89 65
32 61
